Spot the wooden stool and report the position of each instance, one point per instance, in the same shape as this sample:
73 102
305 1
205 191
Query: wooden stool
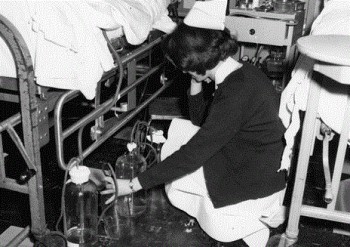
332 55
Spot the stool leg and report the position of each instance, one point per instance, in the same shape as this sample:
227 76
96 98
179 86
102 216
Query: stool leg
342 146
307 140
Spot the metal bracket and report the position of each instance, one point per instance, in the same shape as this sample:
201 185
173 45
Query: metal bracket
43 124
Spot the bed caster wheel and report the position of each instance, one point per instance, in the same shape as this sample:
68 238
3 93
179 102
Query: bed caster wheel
280 240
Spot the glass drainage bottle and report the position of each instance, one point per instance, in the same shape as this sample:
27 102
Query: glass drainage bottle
81 208
128 166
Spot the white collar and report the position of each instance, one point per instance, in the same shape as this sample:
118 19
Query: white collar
226 68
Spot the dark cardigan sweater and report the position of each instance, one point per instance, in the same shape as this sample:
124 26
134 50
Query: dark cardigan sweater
239 144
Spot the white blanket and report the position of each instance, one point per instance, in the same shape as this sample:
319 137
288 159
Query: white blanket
334 19
66 41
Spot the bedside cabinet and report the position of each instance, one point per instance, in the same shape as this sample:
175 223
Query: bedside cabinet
268 29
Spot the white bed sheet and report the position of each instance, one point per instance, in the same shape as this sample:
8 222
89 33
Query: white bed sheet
66 41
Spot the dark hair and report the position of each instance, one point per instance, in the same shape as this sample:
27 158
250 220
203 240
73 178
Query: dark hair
198 49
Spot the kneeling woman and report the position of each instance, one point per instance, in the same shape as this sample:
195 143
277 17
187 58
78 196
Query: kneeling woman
226 174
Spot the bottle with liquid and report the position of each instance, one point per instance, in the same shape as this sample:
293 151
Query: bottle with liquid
81 208
275 64
128 166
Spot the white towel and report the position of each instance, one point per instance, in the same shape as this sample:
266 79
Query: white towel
180 132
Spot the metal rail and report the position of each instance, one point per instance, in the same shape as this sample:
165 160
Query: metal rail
34 109
111 125
28 117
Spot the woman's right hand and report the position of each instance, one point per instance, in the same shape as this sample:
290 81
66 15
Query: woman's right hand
196 87
123 187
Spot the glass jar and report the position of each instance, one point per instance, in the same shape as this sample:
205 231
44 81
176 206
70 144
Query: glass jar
116 227
81 208
128 166
274 64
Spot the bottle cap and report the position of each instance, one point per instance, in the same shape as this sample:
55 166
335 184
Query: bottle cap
131 146
157 137
79 174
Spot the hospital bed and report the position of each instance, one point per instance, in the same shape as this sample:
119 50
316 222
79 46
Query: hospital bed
55 53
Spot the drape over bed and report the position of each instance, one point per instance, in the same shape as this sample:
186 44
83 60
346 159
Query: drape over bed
66 40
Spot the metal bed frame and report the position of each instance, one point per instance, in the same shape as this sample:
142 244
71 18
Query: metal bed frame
29 127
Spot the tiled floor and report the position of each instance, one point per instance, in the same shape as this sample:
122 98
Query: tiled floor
161 225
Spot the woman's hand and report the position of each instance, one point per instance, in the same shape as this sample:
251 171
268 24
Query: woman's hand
196 87
124 187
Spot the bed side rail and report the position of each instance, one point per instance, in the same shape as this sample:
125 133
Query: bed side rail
104 128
